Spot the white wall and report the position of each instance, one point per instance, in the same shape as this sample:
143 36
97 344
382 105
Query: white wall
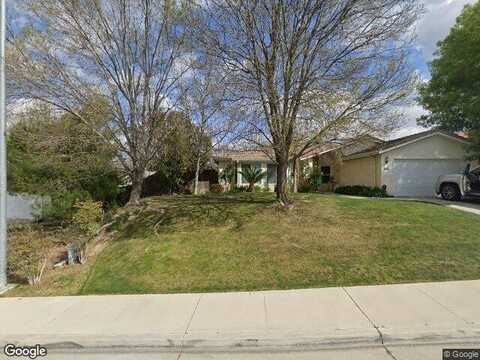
23 207
434 147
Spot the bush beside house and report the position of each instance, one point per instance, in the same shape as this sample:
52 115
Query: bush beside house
363 191
62 159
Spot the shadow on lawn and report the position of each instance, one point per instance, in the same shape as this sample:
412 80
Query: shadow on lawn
166 214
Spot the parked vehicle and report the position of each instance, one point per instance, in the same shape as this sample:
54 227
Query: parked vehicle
454 187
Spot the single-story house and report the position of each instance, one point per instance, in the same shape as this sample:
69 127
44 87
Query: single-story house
253 158
407 167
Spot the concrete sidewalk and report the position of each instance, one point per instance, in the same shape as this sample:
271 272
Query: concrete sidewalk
471 206
316 318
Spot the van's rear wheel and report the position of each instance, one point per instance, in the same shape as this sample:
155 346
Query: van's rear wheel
451 192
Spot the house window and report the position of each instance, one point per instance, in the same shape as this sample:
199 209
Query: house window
326 174
272 174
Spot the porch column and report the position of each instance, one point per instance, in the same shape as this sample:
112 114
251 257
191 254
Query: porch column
264 170
239 174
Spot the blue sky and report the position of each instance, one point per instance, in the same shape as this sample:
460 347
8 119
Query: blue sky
433 26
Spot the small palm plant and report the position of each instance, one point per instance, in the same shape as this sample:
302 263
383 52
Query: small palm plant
227 175
252 176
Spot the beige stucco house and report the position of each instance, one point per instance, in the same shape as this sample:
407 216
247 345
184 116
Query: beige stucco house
407 167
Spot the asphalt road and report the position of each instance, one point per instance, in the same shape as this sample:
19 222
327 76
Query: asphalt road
404 352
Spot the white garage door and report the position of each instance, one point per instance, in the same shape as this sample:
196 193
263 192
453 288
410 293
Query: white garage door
417 178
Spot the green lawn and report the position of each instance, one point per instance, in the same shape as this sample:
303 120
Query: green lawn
245 242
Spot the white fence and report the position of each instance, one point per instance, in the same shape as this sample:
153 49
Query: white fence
21 207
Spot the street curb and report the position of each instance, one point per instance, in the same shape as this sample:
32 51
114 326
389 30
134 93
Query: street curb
240 342
159 342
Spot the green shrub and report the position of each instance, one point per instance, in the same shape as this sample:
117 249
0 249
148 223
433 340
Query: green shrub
315 179
305 187
252 175
27 255
62 159
227 175
216 188
60 208
238 189
257 188
186 191
88 216
364 191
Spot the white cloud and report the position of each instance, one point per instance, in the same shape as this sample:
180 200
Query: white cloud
410 115
435 24
20 106
406 131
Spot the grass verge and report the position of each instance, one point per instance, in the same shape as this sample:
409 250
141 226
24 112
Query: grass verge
245 242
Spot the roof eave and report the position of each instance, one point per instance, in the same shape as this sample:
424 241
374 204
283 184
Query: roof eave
319 153
361 155
464 141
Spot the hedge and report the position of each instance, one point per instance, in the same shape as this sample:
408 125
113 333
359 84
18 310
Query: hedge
364 191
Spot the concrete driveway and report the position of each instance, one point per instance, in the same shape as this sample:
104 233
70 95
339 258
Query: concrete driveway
470 205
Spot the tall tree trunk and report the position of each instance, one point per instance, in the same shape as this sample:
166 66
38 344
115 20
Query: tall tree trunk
282 195
137 187
197 175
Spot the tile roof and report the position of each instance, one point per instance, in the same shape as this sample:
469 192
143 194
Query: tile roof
243 155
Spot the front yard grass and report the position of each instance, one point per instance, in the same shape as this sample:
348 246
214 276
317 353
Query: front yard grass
245 242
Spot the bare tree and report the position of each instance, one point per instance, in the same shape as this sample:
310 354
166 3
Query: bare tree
203 102
128 52
282 55
329 117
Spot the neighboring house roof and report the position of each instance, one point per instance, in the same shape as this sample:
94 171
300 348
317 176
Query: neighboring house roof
361 138
351 148
317 150
242 155
400 142
268 156
348 146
